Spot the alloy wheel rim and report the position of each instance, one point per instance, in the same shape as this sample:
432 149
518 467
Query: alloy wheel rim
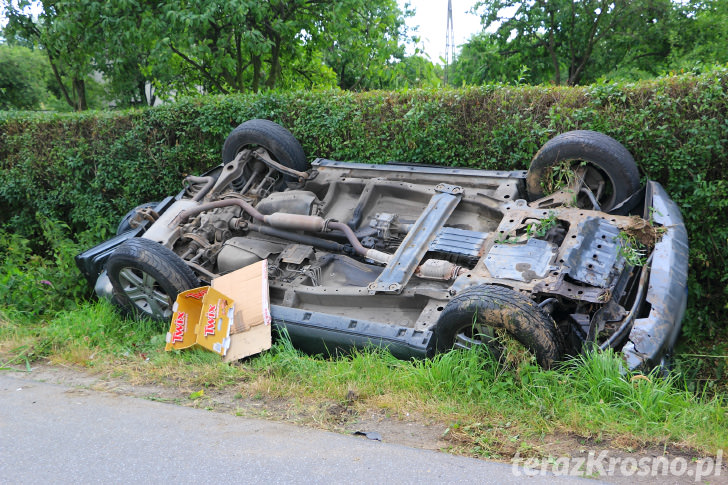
145 293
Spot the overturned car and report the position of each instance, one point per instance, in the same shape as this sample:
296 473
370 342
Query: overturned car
574 253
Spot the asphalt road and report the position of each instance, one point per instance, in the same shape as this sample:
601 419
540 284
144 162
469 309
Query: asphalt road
55 434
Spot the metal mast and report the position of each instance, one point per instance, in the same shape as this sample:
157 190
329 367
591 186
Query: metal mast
449 40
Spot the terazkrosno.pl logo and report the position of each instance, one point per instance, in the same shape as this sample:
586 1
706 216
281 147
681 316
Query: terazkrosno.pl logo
603 465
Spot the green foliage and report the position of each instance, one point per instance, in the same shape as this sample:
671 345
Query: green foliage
566 42
151 50
561 39
67 32
86 170
24 74
41 278
480 61
631 250
701 39
78 334
362 44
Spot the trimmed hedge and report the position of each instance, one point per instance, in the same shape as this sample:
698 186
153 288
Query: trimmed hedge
87 169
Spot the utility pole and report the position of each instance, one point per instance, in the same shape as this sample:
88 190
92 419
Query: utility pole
449 40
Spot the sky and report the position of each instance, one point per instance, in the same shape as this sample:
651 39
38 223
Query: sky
431 17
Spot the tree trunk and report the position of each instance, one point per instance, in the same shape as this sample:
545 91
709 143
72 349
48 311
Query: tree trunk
275 62
256 73
142 89
59 80
552 51
79 90
238 62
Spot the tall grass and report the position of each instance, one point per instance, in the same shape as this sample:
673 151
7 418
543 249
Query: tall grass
590 395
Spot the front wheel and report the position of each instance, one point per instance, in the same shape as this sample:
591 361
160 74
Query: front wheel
476 315
608 174
147 277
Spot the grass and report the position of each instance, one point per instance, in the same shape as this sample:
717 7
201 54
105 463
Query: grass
631 250
559 177
489 409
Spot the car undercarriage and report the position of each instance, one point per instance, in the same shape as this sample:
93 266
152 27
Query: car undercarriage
572 254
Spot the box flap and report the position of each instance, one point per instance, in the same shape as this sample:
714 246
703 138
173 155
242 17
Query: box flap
251 331
249 288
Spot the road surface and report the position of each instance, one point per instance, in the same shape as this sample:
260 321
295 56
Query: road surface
56 434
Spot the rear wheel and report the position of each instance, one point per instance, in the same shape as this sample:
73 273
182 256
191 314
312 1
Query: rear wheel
147 277
606 170
477 316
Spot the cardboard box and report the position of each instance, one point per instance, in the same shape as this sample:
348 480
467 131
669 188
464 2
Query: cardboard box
231 317
202 316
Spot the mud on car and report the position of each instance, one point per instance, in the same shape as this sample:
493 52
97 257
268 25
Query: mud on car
574 253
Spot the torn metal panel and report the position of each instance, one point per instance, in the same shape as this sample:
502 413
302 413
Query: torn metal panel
596 257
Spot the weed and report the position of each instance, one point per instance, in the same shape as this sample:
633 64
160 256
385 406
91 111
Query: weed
558 177
541 228
561 176
538 229
631 250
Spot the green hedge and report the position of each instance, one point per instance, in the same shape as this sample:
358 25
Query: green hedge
85 170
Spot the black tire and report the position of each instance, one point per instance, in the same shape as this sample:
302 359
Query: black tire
472 317
124 224
147 277
280 143
607 160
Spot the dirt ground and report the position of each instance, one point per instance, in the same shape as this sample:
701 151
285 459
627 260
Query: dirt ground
410 430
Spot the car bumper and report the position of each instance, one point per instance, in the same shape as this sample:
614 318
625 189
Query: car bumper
652 338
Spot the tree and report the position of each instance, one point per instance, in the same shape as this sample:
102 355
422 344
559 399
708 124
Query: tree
571 34
67 32
145 48
702 38
362 42
246 45
127 57
23 77
414 72
480 61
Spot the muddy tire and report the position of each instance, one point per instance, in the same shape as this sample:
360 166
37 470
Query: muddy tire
147 277
124 224
473 316
607 162
280 143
